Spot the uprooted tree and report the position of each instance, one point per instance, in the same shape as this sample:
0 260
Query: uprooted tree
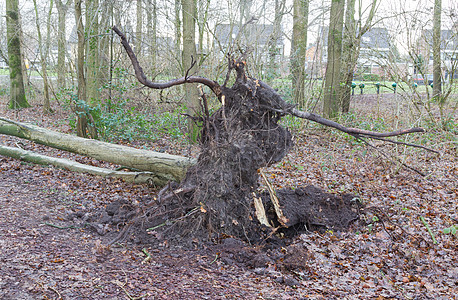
218 196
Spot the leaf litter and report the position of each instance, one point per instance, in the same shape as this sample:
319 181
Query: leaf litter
388 254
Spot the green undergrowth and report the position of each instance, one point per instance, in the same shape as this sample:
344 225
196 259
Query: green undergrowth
121 119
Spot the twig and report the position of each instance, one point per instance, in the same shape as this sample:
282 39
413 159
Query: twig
406 144
148 256
55 291
429 229
60 227
216 257
387 156
118 283
193 63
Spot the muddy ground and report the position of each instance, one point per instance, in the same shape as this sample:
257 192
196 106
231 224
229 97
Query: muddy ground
50 247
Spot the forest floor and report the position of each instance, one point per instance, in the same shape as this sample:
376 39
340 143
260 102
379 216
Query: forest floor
48 253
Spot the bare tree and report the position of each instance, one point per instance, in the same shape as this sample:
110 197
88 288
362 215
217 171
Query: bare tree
353 33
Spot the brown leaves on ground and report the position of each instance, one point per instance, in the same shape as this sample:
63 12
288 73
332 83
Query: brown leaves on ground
47 254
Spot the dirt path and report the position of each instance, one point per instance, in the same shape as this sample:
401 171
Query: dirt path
40 261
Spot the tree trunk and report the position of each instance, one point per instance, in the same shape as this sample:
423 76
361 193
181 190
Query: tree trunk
178 32
437 73
151 15
274 38
350 53
43 58
298 50
139 28
188 60
333 69
92 52
61 42
82 123
17 91
29 156
165 166
351 47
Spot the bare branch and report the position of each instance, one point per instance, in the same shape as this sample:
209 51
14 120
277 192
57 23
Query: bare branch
213 85
396 158
406 144
349 130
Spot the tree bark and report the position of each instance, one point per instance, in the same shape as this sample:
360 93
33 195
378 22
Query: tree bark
43 58
189 58
17 91
274 52
437 73
62 9
139 28
298 50
92 52
178 33
164 166
29 156
333 69
351 47
151 15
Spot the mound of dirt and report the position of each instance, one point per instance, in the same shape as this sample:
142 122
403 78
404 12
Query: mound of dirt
215 199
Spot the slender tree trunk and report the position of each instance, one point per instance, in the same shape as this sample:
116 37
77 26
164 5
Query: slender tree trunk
333 69
178 31
437 73
204 7
62 9
351 46
152 34
81 128
275 37
298 50
189 56
350 51
13 27
43 59
138 31
92 52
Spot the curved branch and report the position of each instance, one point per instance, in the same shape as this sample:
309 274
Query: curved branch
213 85
349 130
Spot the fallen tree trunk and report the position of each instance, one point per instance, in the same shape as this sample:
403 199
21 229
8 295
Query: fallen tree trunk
29 156
164 166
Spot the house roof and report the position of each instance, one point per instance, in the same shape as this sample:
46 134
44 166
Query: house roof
376 37
254 34
449 39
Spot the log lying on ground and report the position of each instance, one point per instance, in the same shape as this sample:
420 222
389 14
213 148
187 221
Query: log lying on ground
29 156
164 166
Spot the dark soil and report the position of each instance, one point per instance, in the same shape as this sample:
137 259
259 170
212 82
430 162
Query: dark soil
215 199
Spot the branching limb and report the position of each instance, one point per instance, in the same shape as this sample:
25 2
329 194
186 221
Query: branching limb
387 156
213 85
349 130
406 144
